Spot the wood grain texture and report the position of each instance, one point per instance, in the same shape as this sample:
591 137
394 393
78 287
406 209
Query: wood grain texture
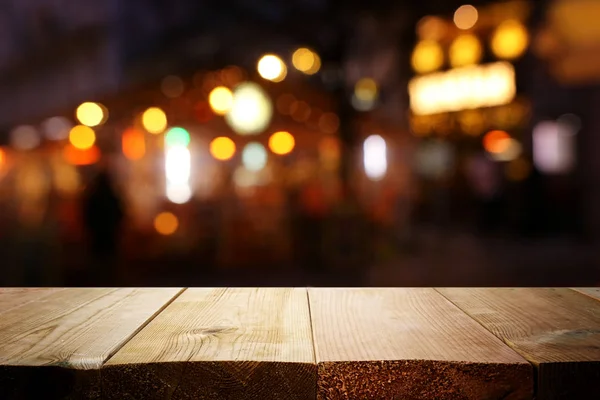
16 297
408 344
558 330
592 292
220 344
60 340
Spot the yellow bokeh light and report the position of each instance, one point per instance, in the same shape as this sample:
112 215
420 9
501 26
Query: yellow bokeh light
154 120
90 114
220 100
510 40
465 50
82 137
222 148
166 223
306 61
465 17
428 56
281 142
272 68
366 89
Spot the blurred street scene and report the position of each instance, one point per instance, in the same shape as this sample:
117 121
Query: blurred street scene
316 142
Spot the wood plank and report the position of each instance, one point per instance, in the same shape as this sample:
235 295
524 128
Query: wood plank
60 340
558 330
16 297
592 292
408 344
241 343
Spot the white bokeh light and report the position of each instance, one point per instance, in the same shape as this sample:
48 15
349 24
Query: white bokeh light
25 137
251 110
375 157
179 193
254 156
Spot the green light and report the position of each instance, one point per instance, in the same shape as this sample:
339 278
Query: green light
177 136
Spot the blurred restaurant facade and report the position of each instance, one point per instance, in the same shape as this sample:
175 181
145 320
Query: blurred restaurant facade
233 157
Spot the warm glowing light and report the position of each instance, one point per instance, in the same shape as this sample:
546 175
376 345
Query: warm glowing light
220 100
431 28
24 137
463 88
222 148
177 165
506 150
329 122
56 128
179 193
496 141
306 61
375 157
465 50
272 68
133 144
76 156
82 137
427 56
177 136
154 120
300 111
91 114
166 223
329 151
2 157
172 86
251 110
366 89
254 156
281 143
510 40
465 17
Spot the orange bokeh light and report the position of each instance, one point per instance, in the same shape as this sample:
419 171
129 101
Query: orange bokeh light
222 148
281 142
133 143
496 141
76 156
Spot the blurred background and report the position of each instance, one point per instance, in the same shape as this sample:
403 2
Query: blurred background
313 142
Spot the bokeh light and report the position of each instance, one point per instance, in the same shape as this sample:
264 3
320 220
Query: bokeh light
220 100
254 156
75 156
177 165
427 56
554 150
375 157
166 223
251 110
56 128
179 193
300 111
172 86
431 28
82 137
91 114
496 141
281 143
2 157
177 136
133 144
465 50
510 40
329 122
222 148
329 151
465 17
366 89
306 61
272 68
154 120
24 137
509 148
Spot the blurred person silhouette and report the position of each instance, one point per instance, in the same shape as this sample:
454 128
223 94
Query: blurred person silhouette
103 214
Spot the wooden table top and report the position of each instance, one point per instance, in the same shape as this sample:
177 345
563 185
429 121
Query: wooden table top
298 343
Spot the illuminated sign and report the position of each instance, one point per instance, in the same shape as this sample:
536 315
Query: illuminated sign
463 88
